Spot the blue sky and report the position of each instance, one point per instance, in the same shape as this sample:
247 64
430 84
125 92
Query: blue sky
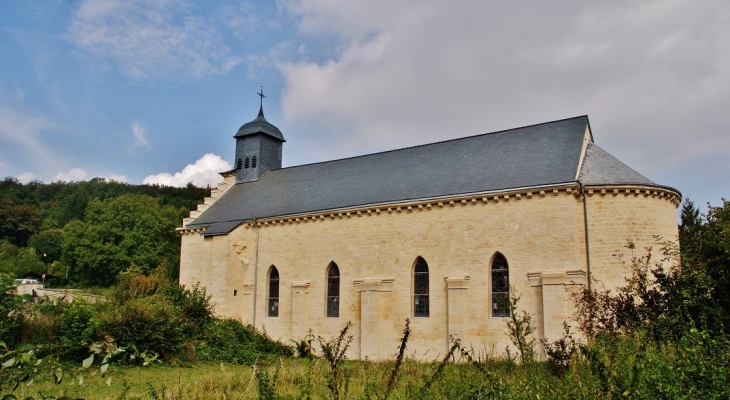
154 90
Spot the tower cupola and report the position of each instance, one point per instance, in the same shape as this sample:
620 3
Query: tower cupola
258 147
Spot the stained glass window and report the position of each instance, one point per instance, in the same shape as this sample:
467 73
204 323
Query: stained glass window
420 288
500 286
333 291
273 292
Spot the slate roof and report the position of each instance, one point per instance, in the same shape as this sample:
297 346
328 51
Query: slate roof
601 168
537 155
260 125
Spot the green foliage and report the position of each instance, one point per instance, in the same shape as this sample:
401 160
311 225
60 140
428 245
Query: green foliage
520 328
399 359
39 324
334 350
18 222
303 347
150 324
48 244
266 384
634 366
127 231
10 310
79 323
40 215
194 303
18 261
228 340
560 353
713 260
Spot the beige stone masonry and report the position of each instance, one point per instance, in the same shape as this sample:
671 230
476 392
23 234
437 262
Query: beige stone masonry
457 286
299 304
374 296
556 305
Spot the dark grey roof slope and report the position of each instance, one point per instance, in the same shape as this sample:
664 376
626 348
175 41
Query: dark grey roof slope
259 126
535 155
600 168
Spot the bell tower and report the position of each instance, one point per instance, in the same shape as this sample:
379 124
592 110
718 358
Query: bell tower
258 147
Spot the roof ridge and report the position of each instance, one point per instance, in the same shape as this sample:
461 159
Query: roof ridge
428 144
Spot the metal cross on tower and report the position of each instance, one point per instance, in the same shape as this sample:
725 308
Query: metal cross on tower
261 94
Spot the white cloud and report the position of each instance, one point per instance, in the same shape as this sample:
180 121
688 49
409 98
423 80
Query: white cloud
651 75
116 178
146 38
26 177
73 175
202 173
139 134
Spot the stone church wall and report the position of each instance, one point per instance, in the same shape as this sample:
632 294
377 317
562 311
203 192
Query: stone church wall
541 235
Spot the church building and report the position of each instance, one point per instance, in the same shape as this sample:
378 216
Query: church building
435 233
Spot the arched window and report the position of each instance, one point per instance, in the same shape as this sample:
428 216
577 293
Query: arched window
500 286
239 164
253 162
273 292
333 290
245 163
420 288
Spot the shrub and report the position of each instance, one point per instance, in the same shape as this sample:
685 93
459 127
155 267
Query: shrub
79 323
228 340
10 314
560 352
133 284
193 303
151 325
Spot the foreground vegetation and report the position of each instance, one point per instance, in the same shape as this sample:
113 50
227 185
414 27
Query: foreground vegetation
629 367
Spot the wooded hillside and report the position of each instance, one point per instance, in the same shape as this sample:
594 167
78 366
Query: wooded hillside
86 233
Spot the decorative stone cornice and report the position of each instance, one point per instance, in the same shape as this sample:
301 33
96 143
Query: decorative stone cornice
457 282
374 284
557 277
301 286
633 190
466 200
191 231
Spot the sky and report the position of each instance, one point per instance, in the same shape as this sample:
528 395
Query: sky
152 91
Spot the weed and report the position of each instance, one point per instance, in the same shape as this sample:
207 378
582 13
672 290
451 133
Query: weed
399 359
520 328
266 384
334 352
560 352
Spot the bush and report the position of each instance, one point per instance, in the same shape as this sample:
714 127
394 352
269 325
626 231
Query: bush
10 313
151 325
228 340
79 323
193 303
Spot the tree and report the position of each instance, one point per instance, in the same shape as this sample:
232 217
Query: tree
130 230
18 222
48 245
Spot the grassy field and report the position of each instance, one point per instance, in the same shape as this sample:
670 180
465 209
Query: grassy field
301 378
